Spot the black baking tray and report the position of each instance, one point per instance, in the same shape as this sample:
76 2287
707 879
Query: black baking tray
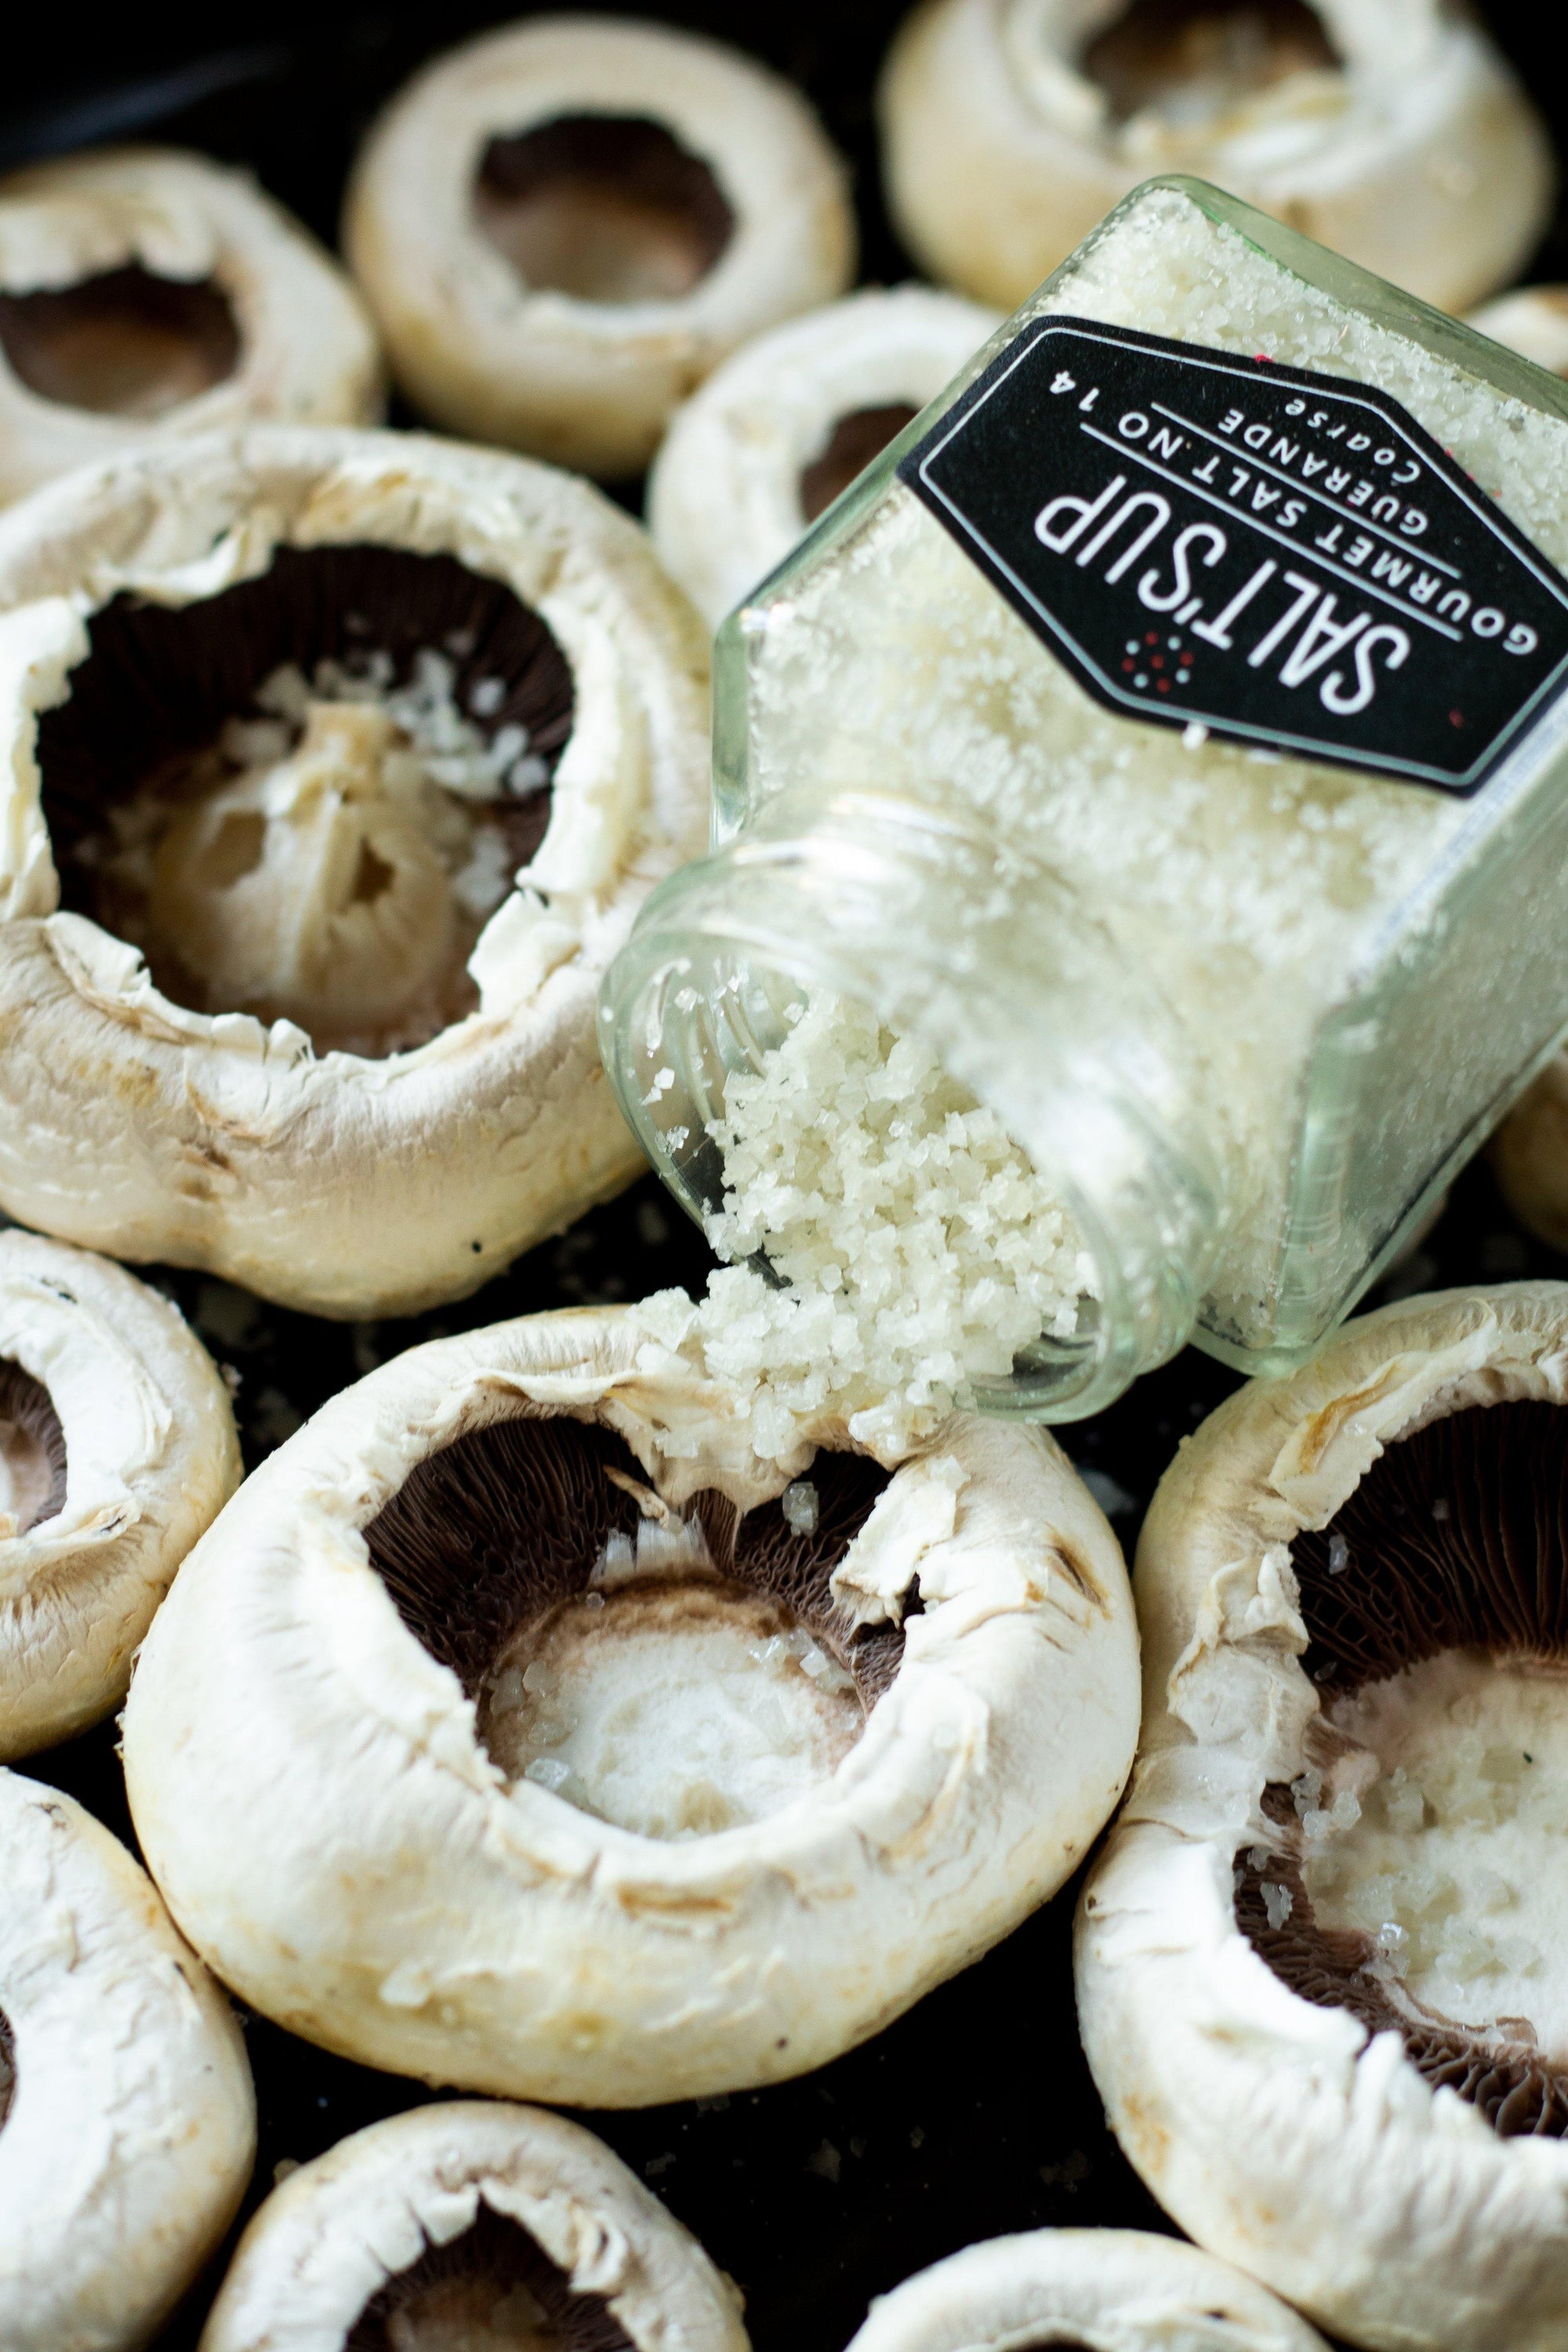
974 2114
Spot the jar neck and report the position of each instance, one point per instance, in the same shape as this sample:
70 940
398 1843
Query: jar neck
993 961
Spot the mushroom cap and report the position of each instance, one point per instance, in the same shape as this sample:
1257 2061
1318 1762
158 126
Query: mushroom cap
1529 1153
1534 319
1287 2134
1096 2290
307 351
409 1908
725 494
337 2231
1420 159
588 384
132 2125
346 1185
149 1457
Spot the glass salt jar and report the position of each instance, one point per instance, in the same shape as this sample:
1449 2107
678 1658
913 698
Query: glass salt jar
1167 732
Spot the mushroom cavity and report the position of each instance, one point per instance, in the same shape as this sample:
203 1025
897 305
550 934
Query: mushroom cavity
336 767
1321 1971
604 1759
786 423
604 208
470 2228
1198 64
564 226
116 1447
1082 2291
1437 1603
32 1453
127 2120
1394 133
123 343
146 292
304 797
674 1671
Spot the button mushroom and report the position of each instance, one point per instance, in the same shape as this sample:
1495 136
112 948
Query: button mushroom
470 2227
1394 133
564 225
1122 2290
783 427
1322 1972
145 293
603 1760
127 2121
116 1447
286 719
1533 320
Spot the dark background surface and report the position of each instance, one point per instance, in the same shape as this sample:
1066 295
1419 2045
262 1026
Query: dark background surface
974 2115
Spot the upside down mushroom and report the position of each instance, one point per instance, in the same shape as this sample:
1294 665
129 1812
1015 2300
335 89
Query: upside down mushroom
117 1448
127 2120
602 1761
564 225
1083 2291
777 432
1322 1970
338 764
470 2227
144 293
1391 131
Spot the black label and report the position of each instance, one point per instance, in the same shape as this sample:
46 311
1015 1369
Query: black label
1279 557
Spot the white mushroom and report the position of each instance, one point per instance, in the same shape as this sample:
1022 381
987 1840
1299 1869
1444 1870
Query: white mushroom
1322 1968
1529 1153
284 717
1390 130
562 226
470 2227
146 293
601 1760
128 2125
778 431
1534 319
1083 2291
117 1448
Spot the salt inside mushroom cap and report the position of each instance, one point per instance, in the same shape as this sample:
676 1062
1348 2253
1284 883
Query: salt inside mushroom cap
127 2127
286 717
557 1493
1349 1581
144 293
469 2224
117 1448
1083 2291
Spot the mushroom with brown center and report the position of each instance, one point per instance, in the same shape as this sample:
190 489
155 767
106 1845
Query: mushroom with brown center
603 1760
339 765
1394 133
782 428
127 2120
1083 2291
1322 1962
562 227
468 2227
144 293
117 1448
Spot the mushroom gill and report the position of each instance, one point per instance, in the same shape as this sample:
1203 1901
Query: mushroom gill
303 797
1417 1897
123 343
491 2289
32 1453
604 208
1195 62
7 2068
673 1674
855 440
